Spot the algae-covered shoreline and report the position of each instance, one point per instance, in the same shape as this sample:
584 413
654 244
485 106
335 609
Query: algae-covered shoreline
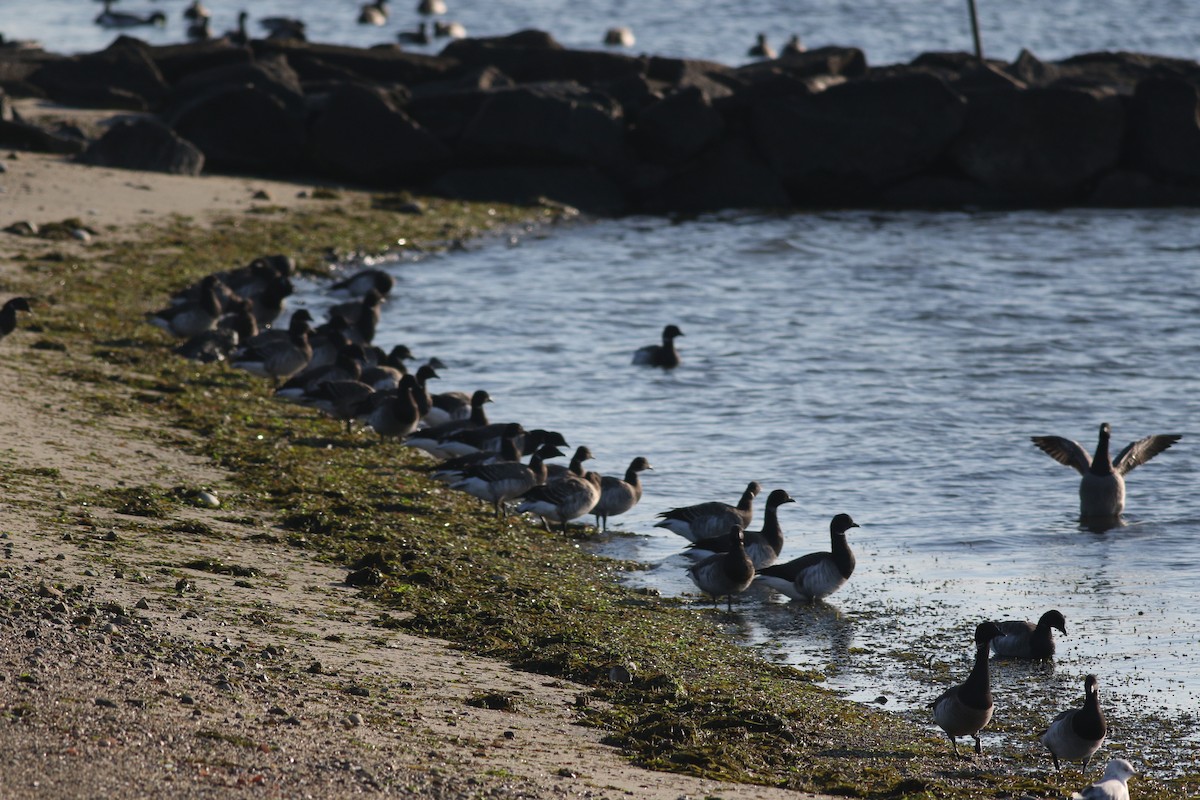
695 704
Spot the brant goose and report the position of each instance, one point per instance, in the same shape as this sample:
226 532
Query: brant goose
1102 490
8 314
1112 786
392 413
724 574
284 28
618 496
448 406
239 35
342 400
276 358
388 370
449 30
1020 639
966 709
365 280
120 19
429 439
558 471
763 546
760 48
189 318
499 483
374 13
348 367
196 11
660 355
619 37
816 575
419 36
432 7
562 500
1077 733
793 46
712 518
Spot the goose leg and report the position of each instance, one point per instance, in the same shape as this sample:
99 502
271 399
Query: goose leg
978 744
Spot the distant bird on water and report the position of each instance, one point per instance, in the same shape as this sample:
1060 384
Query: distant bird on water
1102 489
419 36
1020 639
816 575
432 7
660 355
8 314
761 48
966 709
374 13
1077 733
1112 786
619 37
121 19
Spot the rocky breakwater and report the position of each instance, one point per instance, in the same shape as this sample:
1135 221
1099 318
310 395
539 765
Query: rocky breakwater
522 119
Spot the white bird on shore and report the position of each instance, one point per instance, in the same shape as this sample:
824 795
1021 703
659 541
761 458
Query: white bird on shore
1112 786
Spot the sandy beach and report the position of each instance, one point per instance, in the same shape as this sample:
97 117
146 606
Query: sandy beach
119 678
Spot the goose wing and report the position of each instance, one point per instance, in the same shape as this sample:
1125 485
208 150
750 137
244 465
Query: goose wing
1064 451
1137 453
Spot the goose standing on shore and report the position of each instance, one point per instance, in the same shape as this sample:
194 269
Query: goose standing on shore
966 709
1102 489
1077 733
192 317
499 483
660 355
710 519
816 575
618 496
562 500
724 574
763 546
8 314
1113 786
1021 639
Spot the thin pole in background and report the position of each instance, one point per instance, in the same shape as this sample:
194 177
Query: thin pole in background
975 30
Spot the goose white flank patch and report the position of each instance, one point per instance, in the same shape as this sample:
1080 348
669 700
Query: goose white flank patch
660 355
710 519
1020 639
966 709
1114 784
1102 488
562 500
763 546
619 495
724 574
816 575
1077 733
499 483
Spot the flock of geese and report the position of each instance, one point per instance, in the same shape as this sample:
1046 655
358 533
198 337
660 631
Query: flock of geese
335 368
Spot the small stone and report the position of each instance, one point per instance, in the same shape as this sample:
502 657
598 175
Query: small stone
111 536
881 700
81 234
262 194
567 773
187 700
622 673
510 734
277 711
315 668
110 627
48 591
142 604
105 702
355 719
208 499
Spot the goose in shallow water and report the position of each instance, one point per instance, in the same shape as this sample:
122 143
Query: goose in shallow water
449 30
1113 786
1020 639
619 37
660 355
619 495
710 519
724 574
8 314
763 546
816 575
1102 489
966 709
499 483
419 36
121 19
1077 733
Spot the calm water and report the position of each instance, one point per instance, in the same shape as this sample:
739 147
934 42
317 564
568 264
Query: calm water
892 366
721 30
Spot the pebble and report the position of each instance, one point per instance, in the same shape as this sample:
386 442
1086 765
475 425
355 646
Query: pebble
355 719
143 604
187 699
208 499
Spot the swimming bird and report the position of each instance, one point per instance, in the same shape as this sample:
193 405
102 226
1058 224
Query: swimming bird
763 546
1020 639
724 574
419 36
8 314
284 28
793 46
199 30
1112 786
619 495
374 13
432 7
1102 489
196 11
239 35
562 500
761 48
619 37
187 319
966 709
1077 733
121 19
709 519
499 483
660 355
363 281
816 575
449 30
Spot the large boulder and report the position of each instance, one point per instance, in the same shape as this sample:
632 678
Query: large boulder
677 127
386 65
535 57
557 123
729 175
361 135
1164 134
1043 145
144 144
243 128
715 80
271 74
581 187
177 61
845 142
121 76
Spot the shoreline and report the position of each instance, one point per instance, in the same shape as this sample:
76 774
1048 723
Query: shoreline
126 349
